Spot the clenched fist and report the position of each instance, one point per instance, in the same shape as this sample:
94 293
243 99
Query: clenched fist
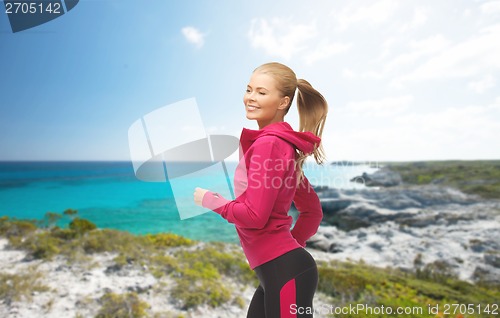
198 195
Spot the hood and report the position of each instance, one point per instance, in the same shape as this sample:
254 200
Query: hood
304 141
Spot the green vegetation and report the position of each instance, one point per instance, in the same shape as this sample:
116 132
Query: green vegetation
16 228
481 177
81 226
350 283
199 274
18 287
122 305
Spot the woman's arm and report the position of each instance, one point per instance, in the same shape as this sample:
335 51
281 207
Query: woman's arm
266 165
310 212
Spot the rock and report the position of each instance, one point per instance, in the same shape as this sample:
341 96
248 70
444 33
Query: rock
107 290
334 205
326 239
492 259
62 268
376 246
384 177
362 235
324 245
390 225
113 269
477 246
418 221
326 192
408 205
139 289
397 201
485 275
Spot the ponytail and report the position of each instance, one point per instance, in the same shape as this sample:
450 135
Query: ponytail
313 109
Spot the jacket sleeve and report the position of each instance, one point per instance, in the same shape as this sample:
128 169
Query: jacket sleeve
310 212
266 166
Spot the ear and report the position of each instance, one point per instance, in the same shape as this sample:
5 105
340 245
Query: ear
284 102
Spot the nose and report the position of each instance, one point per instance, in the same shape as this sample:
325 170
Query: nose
251 96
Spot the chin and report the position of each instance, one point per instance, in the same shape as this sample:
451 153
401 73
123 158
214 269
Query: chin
251 117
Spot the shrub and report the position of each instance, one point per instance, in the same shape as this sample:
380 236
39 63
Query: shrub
231 265
346 281
20 228
163 240
437 271
163 264
40 246
70 212
350 283
81 226
198 281
193 293
16 287
49 220
122 305
63 234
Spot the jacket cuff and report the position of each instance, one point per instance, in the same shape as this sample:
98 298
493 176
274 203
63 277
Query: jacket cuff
213 201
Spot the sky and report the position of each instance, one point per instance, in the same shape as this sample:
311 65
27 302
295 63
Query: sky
404 80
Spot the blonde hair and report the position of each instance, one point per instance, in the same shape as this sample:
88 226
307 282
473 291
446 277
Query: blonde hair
311 105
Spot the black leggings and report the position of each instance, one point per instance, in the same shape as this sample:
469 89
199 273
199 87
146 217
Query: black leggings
287 286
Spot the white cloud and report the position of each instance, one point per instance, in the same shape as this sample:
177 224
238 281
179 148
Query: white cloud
348 73
375 13
385 107
469 124
482 85
491 7
280 37
420 17
194 36
447 133
325 50
215 129
387 47
286 39
373 75
418 49
471 57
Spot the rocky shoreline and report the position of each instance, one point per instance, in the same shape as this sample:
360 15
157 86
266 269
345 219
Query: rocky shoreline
412 227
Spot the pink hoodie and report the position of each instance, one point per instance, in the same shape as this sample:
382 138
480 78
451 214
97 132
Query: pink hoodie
265 187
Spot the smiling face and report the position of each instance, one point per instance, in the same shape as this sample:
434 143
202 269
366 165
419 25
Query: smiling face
263 101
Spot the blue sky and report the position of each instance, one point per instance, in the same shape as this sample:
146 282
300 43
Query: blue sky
412 80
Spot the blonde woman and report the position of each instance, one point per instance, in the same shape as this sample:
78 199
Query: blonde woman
273 157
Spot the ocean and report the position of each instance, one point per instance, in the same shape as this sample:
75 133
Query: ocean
110 195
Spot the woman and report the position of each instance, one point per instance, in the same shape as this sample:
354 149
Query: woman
272 160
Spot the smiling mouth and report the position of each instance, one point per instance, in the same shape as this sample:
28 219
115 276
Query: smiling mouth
251 107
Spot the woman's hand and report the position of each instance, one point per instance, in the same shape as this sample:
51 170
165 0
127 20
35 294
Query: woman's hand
198 195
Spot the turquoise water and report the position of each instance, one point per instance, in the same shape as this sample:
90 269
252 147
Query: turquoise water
109 194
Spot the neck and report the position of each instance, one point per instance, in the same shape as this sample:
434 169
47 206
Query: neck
267 123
